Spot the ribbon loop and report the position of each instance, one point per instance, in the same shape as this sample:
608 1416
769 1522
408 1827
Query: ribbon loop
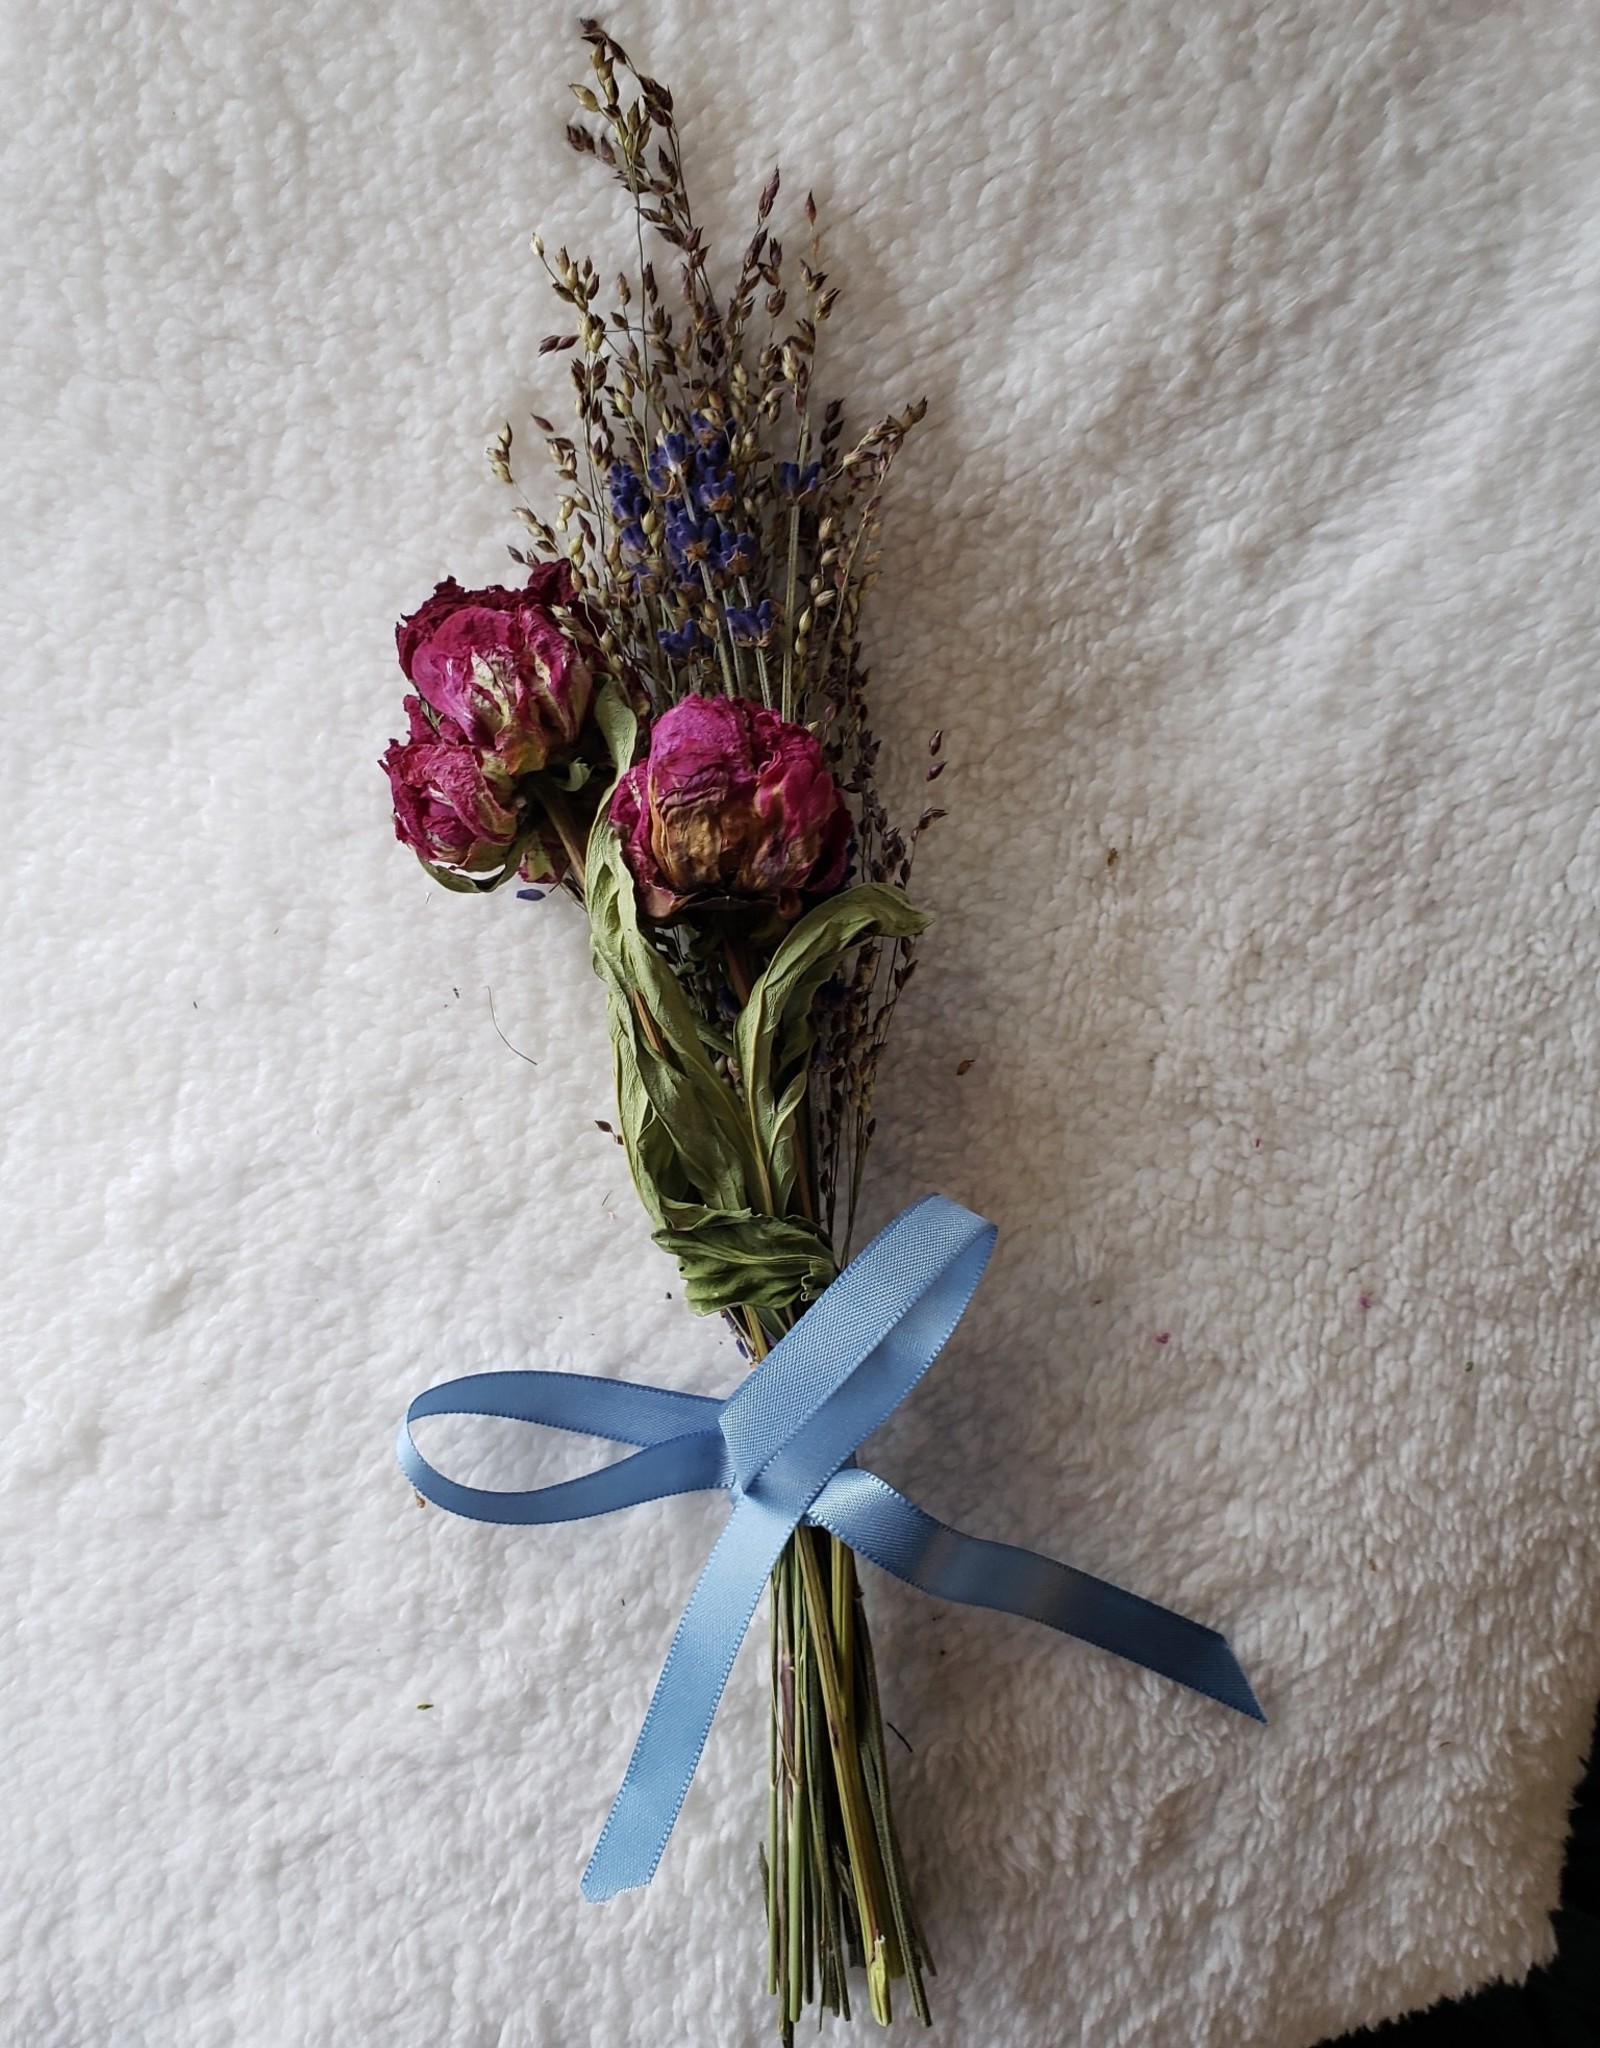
681 1449
783 1445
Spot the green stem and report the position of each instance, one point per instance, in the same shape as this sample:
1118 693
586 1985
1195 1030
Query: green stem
559 812
802 448
878 1941
800 1844
722 651
835 1880
761 652
644 314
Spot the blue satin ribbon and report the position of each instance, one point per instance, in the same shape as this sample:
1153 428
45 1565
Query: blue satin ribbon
783 1446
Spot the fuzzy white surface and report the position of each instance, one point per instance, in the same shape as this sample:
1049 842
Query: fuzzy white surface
1251 538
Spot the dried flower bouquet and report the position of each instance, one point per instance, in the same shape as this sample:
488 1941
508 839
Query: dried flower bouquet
668 721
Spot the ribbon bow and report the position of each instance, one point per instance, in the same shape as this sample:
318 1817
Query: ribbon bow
783 1445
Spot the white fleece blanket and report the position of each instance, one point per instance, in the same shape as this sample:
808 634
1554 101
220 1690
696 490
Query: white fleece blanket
1247 559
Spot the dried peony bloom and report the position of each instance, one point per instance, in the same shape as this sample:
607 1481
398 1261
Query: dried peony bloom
451 806
732 802
497 664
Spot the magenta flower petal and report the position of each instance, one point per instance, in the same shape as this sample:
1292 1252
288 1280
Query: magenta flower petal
496 664
447 805
732 801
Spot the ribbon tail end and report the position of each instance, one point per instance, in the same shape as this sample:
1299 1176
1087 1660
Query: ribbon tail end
1234 1690
600 1884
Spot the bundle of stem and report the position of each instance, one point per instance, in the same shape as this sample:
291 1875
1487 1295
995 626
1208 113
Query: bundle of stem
835 1881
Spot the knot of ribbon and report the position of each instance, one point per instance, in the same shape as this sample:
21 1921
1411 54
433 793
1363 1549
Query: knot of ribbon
783 1446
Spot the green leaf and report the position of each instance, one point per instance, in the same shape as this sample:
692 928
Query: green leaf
462 885
776 1031
740 1260
715 1172
485 884
681 1120
619 728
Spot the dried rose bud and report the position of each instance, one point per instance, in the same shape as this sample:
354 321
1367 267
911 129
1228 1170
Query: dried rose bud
451 806
498 665
732 802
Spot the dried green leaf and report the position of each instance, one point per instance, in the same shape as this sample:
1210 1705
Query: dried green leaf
776 1032
743 1260
681 1121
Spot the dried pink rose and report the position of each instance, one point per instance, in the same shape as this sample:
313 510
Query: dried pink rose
498 665
731 802
451 806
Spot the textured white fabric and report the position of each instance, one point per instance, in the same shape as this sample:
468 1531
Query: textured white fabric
1247 558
